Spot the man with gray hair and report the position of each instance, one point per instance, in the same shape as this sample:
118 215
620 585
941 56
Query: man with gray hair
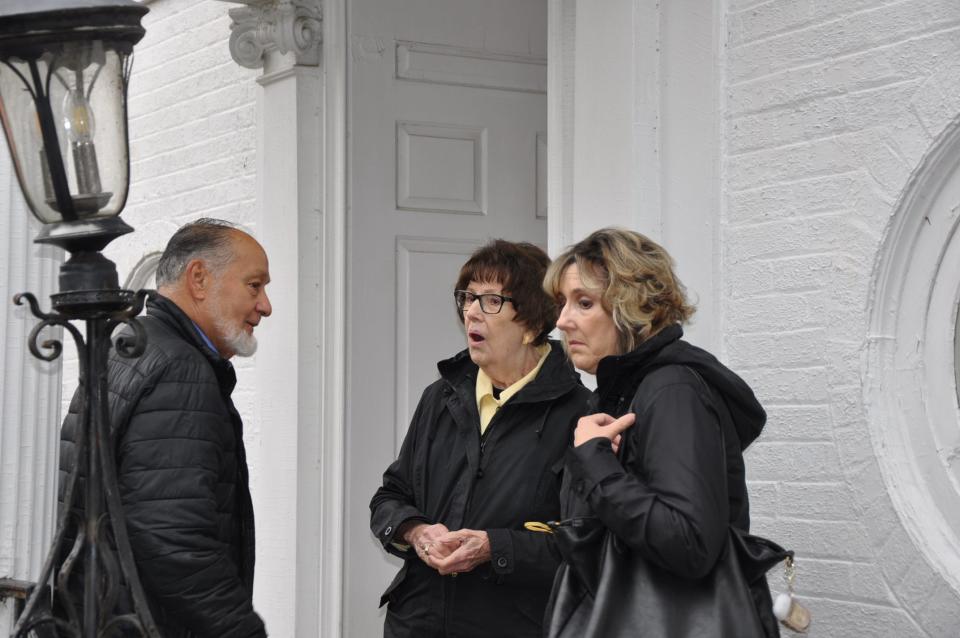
181 464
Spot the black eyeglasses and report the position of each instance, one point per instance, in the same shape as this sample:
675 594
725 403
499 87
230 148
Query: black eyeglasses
490 303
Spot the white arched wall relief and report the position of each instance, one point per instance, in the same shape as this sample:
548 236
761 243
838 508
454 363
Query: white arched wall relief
144 273
911 357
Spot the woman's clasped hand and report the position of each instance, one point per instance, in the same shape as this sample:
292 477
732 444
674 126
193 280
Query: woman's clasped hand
450 552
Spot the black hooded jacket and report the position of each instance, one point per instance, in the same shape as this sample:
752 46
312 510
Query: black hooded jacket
182 477
447 473
683 482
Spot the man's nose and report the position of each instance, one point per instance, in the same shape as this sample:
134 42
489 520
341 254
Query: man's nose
264 307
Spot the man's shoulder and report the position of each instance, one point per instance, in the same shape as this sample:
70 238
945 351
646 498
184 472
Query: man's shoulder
166 349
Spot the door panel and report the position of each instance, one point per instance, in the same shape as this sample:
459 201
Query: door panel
447 98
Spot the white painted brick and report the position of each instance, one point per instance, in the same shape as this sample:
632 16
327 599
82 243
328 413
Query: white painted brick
772 18
827 232
817 501
807 461
821 118
899 555
940 105
837 540
735 6
830 106
784 312
838 579
793 349
797 422
911 59
797 274
940 612
796 199
849 35
785 386
835 618
917 586
764 498
190 110
801 161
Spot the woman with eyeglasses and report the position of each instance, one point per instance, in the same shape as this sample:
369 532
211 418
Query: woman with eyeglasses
482 458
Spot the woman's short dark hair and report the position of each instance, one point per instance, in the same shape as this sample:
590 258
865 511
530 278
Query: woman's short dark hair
519 268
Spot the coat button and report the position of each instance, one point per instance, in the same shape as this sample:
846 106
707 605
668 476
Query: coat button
501 562
388 531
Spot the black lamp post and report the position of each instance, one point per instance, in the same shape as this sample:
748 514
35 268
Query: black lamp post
64 68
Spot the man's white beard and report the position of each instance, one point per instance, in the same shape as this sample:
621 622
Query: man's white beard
237 339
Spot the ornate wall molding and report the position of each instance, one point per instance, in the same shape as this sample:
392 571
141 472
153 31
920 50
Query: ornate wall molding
287 26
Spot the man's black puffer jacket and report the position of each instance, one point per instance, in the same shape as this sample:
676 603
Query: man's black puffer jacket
183 479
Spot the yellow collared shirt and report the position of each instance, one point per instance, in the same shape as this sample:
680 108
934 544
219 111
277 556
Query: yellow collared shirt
488 405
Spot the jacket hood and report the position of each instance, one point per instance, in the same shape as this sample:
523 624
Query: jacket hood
667 348
556 377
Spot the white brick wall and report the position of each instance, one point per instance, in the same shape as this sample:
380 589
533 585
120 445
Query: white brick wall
192 140
830 104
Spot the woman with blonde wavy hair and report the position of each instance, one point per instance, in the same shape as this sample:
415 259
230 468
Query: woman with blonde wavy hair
657 470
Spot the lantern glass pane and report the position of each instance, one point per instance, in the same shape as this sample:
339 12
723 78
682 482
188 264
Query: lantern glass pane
83 83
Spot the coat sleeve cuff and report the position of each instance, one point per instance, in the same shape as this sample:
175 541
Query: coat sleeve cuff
590 464
501 551
388 533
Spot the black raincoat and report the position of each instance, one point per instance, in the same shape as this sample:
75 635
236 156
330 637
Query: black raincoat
447 473
683 484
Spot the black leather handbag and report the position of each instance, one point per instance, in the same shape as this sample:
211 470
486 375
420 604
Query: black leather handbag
605 590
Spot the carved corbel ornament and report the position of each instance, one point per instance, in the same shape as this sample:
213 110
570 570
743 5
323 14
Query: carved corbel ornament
283 25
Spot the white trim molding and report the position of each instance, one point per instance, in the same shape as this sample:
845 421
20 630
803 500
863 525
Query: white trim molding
463 66
287 26
909 366
329 611
29 395
301 203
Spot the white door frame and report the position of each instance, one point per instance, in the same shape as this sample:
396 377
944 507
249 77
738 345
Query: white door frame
336 204
321 281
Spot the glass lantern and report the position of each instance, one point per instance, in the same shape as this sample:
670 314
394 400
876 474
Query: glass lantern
64 71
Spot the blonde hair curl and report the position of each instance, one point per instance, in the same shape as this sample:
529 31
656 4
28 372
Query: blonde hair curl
636 280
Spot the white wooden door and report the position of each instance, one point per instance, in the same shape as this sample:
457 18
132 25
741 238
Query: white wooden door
447 105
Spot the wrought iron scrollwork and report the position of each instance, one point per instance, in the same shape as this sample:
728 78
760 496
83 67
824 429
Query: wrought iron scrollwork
102 525
54 346
131 346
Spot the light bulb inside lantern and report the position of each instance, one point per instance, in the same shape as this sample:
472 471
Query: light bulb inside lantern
78 117
80 125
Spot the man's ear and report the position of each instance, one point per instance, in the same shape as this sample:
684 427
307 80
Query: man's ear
196 279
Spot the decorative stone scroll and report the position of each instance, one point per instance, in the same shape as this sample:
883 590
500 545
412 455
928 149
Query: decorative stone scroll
283 25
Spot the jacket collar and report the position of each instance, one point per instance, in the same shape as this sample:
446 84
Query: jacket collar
627 369
174 319
556 377
619 376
